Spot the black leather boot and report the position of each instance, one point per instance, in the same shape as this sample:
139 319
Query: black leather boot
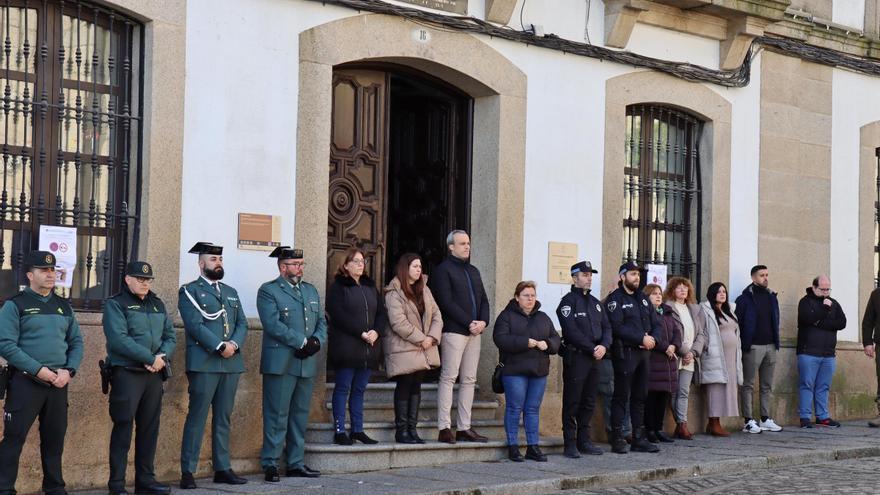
641 444
533 452
618 443
401 422
412 417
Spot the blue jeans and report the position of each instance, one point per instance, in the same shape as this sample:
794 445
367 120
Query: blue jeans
815 381
523 395
352 380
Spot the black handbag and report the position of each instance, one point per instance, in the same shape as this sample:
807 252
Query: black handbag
497 384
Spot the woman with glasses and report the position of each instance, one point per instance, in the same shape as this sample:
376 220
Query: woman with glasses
356 321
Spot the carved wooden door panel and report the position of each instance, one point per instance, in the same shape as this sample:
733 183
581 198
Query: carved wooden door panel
357 170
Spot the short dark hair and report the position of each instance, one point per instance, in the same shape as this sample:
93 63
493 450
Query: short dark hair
756 268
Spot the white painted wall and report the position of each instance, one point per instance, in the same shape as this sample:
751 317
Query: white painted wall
240 130
661 43
856 102
240 126
850 13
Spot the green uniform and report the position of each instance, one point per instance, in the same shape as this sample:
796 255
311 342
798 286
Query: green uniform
213 379
289 315
36 331
137 330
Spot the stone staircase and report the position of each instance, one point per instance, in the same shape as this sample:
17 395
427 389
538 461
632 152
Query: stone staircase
487 419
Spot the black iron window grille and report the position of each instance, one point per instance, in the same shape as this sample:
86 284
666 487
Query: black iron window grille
662 199
877 223
71 129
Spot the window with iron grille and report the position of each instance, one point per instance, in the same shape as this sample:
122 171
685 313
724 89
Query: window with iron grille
877 223
70 72
662 201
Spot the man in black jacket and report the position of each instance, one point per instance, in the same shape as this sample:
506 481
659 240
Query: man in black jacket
587 336
819 319
870 339
635 325
458 289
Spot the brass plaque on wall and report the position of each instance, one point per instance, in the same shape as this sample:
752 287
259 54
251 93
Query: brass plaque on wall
561 255
258 232
454 6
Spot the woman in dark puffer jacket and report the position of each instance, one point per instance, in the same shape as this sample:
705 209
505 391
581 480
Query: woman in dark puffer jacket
526 338
357 321
663 370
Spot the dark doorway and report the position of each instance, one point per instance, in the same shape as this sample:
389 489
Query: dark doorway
399 167
428 169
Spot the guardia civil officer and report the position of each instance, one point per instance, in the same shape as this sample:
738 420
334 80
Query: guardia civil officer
635 326
140 340
41 341
215 331
294 329
586 334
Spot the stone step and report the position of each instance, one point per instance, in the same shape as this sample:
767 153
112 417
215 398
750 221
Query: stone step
319 433
383 411
385 391
357 458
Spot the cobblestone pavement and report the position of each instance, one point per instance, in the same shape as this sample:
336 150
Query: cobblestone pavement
838 477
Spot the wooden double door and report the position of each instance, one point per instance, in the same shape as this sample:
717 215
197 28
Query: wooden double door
399 167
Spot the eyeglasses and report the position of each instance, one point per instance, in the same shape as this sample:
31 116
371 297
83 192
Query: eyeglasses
358 262
144 280
823 290
297 264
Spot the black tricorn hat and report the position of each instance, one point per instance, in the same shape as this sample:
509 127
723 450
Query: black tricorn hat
286 253
206 248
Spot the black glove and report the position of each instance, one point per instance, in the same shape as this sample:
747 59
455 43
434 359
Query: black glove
313 345
300 353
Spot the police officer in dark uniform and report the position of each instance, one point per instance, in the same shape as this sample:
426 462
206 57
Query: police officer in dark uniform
140 340
41 341
586 336
635 326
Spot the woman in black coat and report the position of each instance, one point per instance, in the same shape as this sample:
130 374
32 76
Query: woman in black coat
357 319
526 338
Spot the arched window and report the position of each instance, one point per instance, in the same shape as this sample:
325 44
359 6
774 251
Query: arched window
69 128
662 201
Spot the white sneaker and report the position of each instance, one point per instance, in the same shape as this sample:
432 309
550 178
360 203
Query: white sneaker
769 425
752 427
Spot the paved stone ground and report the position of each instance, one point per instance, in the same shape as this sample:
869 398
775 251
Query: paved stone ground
837 477
705 463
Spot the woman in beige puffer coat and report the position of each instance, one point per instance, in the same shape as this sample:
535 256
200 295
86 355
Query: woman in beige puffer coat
411 342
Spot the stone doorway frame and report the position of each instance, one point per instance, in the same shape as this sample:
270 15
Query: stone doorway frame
498 88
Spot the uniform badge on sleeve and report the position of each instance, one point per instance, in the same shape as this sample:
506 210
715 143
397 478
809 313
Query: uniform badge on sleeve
645 303
565 310
598 307
612 306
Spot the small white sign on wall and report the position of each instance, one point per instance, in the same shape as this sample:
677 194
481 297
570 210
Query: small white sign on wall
60 241
657 275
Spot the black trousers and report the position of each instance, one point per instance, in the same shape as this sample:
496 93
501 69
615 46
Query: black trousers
630 386
26 401
655 409
135 397
580 381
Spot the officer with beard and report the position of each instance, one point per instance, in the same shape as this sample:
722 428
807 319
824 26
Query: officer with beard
634 325
215 327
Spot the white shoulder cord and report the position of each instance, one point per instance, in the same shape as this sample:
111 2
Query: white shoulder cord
206 315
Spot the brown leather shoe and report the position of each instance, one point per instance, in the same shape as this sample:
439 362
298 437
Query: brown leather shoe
681 431
715 429
446 436
470 436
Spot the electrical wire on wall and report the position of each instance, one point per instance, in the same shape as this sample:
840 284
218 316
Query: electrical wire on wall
735 78
587 25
